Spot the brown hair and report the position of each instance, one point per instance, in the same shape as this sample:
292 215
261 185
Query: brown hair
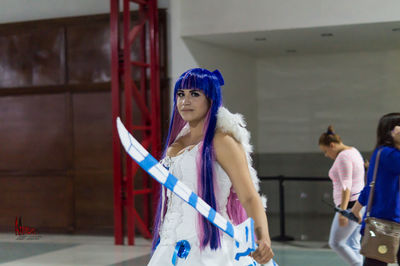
329 137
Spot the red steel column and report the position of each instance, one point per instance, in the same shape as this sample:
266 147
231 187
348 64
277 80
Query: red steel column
115 98
147 103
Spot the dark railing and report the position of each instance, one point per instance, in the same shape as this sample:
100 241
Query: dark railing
282 179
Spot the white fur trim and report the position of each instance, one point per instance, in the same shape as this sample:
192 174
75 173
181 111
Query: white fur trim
235 125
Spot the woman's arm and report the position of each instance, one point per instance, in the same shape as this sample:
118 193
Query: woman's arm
343 221
344 165
232 158
345 199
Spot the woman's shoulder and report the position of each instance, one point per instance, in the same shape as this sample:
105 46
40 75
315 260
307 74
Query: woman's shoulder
225 144
223 138
175 148
390 156
350 152
350 155
388 151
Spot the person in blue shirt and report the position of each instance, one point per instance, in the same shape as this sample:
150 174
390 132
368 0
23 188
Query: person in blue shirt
386 201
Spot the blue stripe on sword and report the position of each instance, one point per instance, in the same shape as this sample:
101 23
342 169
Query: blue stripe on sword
211 215
171 182
229 229
148 162
193 200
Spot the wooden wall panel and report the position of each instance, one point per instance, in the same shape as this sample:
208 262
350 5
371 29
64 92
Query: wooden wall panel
16 60
89 52
94 201
93 162
33 131
92 131
48 56
43 202
32 58
55 123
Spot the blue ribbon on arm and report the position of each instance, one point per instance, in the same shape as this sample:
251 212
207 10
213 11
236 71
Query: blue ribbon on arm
182 250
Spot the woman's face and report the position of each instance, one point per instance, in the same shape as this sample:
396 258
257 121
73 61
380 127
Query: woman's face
329 151
395 131
192 104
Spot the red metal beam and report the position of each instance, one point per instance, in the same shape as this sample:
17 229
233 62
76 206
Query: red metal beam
128 121
135 31
146 100
143 12
115 98
140 2
142 191
139 64
155 85
141 128
141 225
140 101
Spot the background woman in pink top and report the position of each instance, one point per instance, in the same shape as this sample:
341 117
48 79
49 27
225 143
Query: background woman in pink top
347 175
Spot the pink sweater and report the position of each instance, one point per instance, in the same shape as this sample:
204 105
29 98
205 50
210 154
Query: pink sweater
347 172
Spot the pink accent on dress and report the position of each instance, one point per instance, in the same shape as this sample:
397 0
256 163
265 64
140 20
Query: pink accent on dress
347 171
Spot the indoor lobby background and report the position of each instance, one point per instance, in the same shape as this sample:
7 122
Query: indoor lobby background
290 67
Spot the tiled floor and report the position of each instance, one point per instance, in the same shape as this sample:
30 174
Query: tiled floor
74 250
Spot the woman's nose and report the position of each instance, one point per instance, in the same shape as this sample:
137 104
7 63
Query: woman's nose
186 100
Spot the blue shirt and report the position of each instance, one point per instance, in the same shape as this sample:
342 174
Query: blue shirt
386 201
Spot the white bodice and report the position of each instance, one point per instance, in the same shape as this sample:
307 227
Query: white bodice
181 220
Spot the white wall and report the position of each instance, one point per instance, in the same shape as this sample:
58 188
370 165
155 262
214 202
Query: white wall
229 16
299 96
239 71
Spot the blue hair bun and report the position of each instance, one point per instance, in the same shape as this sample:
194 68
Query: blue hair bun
219 77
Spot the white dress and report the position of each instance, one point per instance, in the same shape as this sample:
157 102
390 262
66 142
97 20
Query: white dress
180 220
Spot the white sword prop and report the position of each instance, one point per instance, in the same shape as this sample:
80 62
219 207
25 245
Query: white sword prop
242 233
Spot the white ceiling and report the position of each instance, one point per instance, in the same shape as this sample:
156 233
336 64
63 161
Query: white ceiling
349 38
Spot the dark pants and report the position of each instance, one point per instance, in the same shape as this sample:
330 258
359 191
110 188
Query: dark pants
372 262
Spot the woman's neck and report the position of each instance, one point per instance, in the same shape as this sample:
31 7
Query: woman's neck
341 147
196 131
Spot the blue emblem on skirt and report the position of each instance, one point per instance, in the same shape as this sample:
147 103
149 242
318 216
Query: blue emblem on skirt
182 250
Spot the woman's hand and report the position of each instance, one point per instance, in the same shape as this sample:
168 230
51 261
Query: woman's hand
396 136
263 253
366 164
356 211
357 214
343 221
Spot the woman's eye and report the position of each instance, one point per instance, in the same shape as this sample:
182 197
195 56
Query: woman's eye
180 94
195 94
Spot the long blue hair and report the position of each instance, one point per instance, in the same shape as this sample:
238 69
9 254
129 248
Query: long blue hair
210 83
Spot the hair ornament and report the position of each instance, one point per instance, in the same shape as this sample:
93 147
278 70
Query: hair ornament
219 77
330 132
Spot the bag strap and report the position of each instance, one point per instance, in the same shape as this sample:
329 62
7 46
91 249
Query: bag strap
372 184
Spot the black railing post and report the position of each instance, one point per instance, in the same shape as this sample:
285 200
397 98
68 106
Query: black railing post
281 179
282 236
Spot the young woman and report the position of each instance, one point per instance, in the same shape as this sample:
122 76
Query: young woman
347 175
208 149
386 201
